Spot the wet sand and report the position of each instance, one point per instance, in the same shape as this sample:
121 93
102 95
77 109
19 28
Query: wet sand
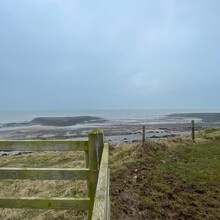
116 133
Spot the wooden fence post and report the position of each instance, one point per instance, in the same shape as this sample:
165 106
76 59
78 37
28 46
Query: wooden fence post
143 136
96 143
193 130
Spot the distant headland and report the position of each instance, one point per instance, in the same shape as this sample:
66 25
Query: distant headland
206 117
58 121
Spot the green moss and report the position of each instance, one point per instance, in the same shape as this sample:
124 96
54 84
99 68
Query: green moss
96 131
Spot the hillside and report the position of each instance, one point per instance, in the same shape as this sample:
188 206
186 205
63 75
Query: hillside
170 179
173 178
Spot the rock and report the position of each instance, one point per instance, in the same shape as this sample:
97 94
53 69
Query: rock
134 141
154 136
170 135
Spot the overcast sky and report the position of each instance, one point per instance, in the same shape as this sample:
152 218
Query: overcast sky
149 54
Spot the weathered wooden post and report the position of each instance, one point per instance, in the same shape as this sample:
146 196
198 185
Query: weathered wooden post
193 130
96 143
143 136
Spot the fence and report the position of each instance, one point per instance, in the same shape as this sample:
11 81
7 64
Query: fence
192 132
96 173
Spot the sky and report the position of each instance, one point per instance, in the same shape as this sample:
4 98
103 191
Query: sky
143 54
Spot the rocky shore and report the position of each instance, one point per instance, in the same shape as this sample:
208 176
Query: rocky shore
55 128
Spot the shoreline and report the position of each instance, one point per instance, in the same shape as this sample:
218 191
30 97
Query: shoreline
117 133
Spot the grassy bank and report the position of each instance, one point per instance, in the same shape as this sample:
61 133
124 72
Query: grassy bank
173 178
170 179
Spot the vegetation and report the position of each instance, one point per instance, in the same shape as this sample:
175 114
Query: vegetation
174 178
43 188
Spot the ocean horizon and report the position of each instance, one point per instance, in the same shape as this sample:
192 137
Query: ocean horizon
112 117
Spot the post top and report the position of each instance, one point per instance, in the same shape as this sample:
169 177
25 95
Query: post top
96 131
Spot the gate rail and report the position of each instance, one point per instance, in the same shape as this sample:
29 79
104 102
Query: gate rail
96 173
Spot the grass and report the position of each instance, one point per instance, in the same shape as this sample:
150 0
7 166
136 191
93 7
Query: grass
43 188
173 178
170 179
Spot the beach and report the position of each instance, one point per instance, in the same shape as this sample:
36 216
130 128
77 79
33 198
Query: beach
116 131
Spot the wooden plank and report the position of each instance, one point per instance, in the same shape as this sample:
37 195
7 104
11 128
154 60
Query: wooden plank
108 200
100 209
45 203
44 173
96 142
43 145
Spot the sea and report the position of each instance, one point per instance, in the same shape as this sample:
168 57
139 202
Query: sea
112 117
